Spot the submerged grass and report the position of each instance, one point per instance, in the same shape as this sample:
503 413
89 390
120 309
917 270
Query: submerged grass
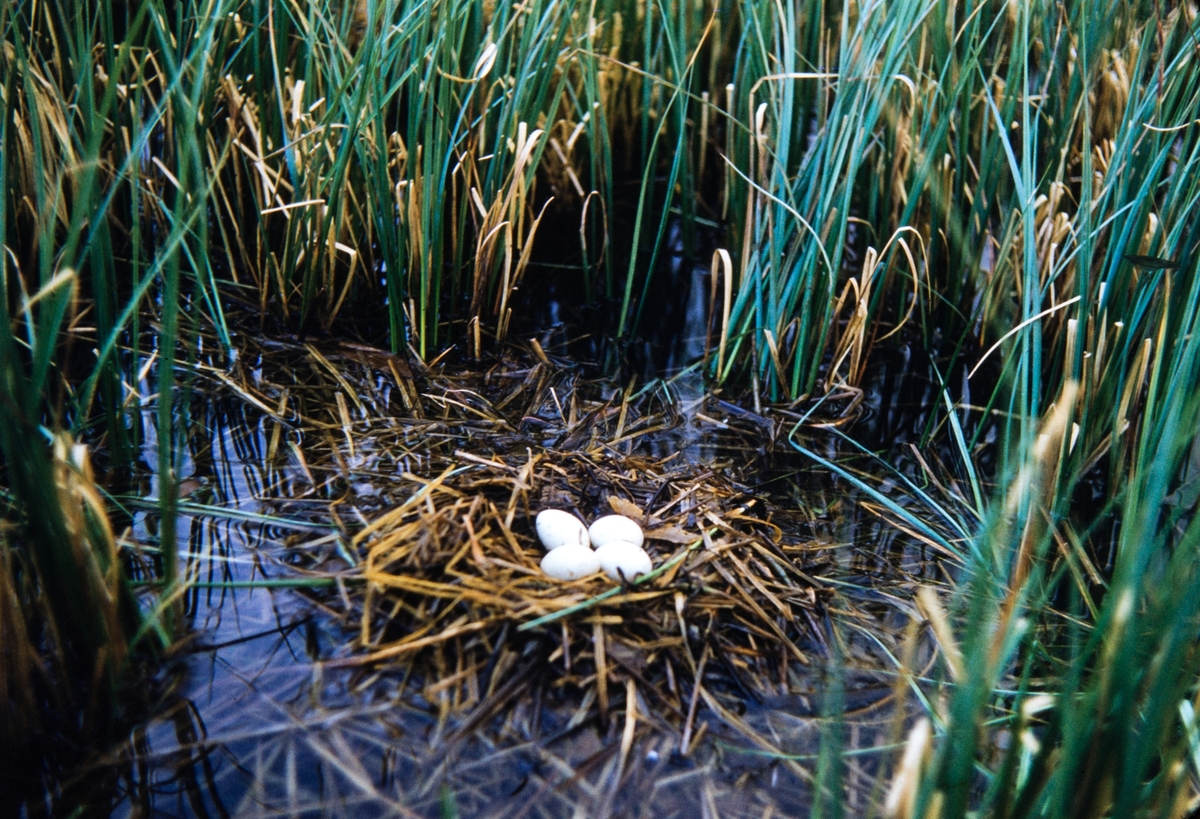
1014 183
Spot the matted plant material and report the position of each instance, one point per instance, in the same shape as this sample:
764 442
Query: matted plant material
458 558
316 467
452 572
438 474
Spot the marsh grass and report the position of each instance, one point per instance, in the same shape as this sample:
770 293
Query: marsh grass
1015 184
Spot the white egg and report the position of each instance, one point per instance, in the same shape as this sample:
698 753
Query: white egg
612 528
558 528
570 562
620 559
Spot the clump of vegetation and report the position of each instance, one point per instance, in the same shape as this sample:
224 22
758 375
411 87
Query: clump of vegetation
1013 185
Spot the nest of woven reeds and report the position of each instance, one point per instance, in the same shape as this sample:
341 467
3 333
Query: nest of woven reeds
422 482
454 594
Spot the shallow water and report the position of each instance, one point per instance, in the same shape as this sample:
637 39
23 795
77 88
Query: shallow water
254 723
250 718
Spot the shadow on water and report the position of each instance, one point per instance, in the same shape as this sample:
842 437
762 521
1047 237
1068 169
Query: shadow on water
256 721
579 323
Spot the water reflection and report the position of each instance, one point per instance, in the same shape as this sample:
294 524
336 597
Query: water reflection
255 723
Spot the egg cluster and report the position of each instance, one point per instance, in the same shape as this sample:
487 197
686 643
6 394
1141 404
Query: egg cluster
616 539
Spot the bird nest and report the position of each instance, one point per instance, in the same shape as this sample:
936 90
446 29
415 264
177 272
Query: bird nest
453 593
433 475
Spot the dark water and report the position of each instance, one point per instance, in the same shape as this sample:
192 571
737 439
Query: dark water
250 721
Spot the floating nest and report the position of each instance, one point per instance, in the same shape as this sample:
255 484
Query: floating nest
454 570
453 592
386 508
434 475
